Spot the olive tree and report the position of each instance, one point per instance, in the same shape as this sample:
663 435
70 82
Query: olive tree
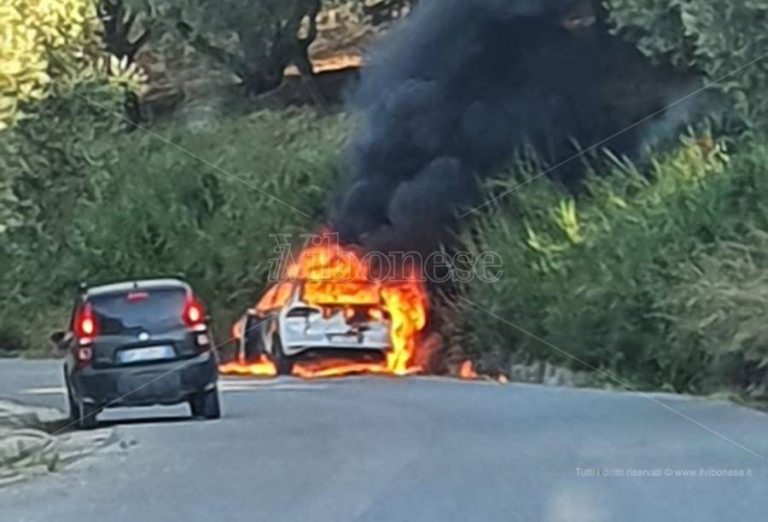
254 40
40 44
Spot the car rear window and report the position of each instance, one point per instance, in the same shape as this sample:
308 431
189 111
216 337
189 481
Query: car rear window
139 310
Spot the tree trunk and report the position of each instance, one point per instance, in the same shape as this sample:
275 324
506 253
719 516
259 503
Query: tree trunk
302 59
117 23
268 55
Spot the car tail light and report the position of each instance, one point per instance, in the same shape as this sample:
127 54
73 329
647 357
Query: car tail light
194 313
86 325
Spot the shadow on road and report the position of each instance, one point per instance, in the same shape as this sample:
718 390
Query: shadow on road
130 421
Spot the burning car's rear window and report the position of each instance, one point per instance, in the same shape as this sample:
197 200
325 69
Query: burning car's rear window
341 293
140 310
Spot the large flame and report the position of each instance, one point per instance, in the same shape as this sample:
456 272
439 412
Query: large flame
406 305
332 275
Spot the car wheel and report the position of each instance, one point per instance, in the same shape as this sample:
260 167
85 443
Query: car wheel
283 363
206 405
87 419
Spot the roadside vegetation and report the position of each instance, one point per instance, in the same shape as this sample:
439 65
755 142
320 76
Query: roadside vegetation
201 208
652 275
655 277
111 166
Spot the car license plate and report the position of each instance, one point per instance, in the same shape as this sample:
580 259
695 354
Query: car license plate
150 353
344 339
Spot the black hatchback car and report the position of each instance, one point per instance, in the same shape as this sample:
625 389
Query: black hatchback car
138 343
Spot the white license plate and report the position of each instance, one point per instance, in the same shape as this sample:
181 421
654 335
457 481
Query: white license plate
345 339
150 353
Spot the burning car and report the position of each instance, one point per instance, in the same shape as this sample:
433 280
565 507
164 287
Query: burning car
288 323
327 306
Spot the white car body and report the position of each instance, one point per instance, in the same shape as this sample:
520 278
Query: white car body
304 327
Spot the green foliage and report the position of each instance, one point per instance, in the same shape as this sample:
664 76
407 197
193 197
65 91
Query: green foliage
61 97
191 202
47 161
42 41
51 45
721 306
44 160
614 279
725 41
57 90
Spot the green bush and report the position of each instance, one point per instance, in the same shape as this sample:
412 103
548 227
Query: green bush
726 42
185 201
596 276
46 164
61 98
42 42
720 308
45 159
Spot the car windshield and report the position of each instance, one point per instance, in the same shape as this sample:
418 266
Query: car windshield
148 310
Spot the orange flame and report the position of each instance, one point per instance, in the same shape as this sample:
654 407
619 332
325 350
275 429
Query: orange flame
332 275
261 368
407 305
467 370
340 368
276 297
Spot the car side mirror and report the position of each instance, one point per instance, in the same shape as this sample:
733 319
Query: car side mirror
59 338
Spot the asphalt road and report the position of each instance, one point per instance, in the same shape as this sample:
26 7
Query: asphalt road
376 449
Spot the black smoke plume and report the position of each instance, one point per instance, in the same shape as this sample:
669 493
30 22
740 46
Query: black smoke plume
453 92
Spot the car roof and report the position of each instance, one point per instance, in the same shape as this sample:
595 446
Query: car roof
141 284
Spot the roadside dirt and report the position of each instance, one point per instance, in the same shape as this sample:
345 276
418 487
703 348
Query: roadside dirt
36 441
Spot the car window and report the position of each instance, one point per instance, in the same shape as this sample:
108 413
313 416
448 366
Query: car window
148 310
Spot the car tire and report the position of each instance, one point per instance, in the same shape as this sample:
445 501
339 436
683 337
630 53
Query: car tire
87 416
283 363
206 405
74 408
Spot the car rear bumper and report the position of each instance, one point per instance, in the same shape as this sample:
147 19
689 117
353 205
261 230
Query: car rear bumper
299 347
146 385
